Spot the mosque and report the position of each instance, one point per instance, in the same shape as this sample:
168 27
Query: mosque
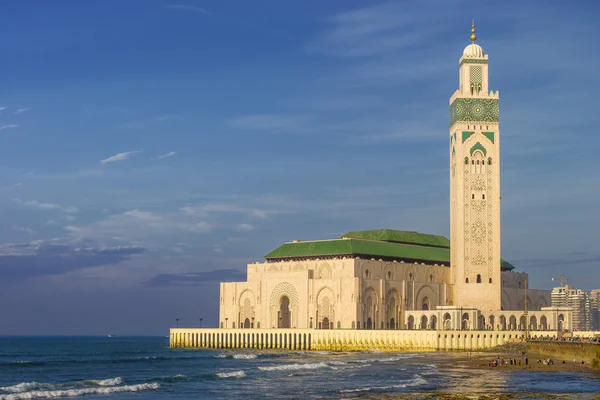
400 280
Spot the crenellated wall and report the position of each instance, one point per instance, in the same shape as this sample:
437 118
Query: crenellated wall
342 339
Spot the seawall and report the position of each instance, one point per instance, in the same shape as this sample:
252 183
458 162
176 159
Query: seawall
588 352
340 339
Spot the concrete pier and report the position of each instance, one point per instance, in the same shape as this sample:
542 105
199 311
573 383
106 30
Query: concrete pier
343 339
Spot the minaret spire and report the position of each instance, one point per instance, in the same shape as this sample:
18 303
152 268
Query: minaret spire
473 36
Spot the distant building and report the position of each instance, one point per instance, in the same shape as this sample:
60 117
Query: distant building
579 301
595 300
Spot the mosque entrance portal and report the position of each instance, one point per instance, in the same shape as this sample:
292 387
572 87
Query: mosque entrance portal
284 312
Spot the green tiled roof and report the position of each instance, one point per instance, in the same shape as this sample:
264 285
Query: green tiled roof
390 235
360 247
506 266
380 243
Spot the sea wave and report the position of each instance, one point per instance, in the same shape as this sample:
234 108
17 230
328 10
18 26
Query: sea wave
245 356
30 386
295 367
51 394
106 382
175 378
24 363
116 360
416 380
233 374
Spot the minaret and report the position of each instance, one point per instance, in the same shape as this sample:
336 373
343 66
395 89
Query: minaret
475 185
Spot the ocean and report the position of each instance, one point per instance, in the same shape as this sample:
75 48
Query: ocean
146 368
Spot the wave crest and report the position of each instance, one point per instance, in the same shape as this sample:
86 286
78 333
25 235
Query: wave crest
245 356
50 394
294 367
234 374
416 380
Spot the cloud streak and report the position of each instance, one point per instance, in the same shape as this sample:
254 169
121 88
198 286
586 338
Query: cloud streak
20 261
47 206
120 157
167 155
21 111
9 126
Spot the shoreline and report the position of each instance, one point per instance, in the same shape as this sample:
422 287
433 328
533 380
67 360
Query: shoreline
518 352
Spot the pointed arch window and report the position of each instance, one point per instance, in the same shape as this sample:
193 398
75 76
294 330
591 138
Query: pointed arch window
478 278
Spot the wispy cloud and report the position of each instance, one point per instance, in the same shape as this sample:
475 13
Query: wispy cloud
27 230
145 215
9 126
167 155
47 206
203 210
186 7
120 156
201 227
21 110
50 257
2 108
244 228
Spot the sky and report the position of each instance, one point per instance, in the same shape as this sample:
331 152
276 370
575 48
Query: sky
151 149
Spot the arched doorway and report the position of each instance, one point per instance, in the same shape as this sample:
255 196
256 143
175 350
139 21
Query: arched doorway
325 323
447 321
247 323
411 322
392 324
512 323
433 323
543 323
465 322
425 303
369 323
503 322
424 322
284 313
561 322
522 323
533 323
492 322
481 323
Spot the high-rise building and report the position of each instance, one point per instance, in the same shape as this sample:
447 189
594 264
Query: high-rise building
579 301
595 300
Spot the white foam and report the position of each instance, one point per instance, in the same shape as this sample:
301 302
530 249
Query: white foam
221 356
416 380
25 387
31 386
107 382
294 367
50 394
245 356
234 374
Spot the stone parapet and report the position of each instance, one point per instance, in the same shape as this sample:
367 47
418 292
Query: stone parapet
343 339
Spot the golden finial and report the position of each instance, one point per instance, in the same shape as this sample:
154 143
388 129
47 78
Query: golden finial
473 37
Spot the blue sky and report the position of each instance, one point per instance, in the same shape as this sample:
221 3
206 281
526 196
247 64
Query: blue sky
150 149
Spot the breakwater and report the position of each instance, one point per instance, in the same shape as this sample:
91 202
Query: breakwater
340 339
558 350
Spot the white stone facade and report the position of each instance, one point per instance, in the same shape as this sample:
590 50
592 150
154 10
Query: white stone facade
468 292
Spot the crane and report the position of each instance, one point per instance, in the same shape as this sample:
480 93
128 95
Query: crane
561 279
